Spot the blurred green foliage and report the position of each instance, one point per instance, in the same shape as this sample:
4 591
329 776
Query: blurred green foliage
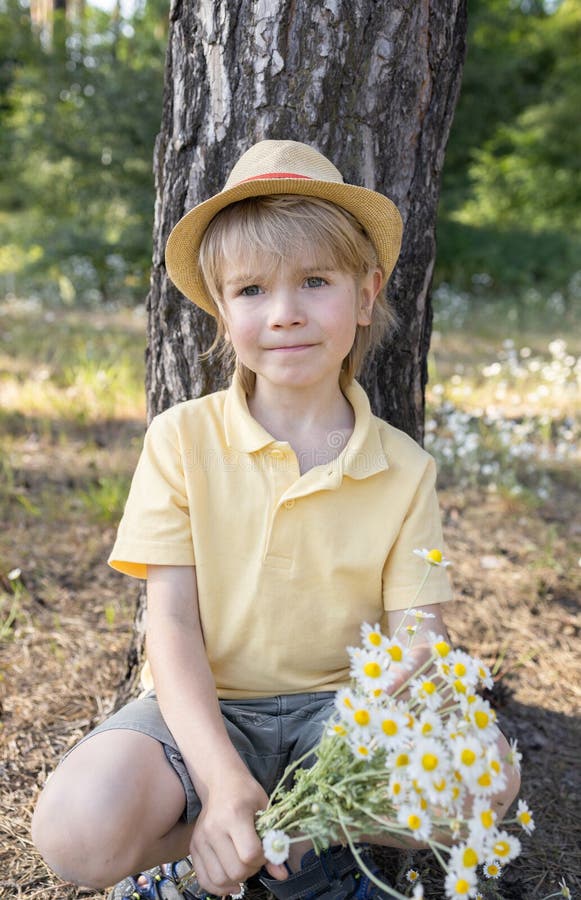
78 120
79 115
511 193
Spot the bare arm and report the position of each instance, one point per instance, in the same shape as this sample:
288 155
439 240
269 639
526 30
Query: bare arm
225 847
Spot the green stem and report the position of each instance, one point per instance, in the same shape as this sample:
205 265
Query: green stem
413 602
380 884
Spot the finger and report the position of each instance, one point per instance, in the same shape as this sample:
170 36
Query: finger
211 874
277 871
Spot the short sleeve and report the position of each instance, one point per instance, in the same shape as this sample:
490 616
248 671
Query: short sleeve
404 570
155 527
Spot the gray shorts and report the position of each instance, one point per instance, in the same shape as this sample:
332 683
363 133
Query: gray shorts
269 733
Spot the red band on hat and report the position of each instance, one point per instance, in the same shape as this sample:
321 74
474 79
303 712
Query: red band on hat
275 175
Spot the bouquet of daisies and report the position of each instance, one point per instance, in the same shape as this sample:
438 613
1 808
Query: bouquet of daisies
409 755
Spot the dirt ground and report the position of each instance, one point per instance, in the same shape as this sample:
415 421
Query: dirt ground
516 575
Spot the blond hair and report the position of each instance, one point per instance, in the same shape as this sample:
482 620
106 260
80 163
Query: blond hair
277 228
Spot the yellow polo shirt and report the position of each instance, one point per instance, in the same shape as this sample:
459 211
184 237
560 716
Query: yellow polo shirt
288 565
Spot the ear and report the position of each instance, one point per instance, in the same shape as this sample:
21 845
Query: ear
369 288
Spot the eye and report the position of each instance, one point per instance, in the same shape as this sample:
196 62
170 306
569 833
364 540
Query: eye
315 281
251 290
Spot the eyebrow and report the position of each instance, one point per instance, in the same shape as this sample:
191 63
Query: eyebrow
251 279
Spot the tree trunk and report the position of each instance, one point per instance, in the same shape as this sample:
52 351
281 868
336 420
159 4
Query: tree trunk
373 86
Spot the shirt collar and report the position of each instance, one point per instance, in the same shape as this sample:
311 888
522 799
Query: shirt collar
363 455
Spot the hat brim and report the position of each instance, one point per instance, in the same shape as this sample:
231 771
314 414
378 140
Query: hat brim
378 215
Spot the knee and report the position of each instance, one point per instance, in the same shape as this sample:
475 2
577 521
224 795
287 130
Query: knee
71 836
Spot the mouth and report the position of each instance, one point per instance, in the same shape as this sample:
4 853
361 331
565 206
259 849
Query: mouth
289 348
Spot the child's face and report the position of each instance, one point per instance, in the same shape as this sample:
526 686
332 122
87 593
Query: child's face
294 325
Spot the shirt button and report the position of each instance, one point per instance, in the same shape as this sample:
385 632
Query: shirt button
289 504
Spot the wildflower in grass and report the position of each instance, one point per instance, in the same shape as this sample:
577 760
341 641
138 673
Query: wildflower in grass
433 557
412 876
275 844
525 817
484 675
565 892
14 574
460 884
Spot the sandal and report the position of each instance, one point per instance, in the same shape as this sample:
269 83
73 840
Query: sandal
166 882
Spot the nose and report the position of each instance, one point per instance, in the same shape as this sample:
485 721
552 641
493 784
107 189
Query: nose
286 310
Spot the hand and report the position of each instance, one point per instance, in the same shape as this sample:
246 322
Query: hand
225 847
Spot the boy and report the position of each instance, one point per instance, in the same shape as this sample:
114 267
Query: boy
270 521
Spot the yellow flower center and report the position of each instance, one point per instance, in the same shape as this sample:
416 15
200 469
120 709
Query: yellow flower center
377 692
374 638
362 717
347 703
414 822
525 818
462 886
442 648
363 751
402 760
470 858
485 780
481 718
372 669
493 870
468 757
396 788
459 687
396 653
435 556
501 848
487 818
428 687
440 785
429 761
426 728
389 727
459 669
339 729
495 766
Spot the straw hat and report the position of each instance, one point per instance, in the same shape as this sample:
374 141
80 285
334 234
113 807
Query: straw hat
280 167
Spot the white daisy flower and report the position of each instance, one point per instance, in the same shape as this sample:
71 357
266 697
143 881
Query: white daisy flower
483 820
429 760
460 884
504 847
372 636
525 817
428 724
276 845
371 671
514 756
419 615
433 557
415 819
492 868
426 691
482 717
390 726
412 875
465 856
418 892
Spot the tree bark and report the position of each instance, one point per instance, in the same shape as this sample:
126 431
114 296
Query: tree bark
373 86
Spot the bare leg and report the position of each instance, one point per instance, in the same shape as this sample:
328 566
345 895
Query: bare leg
112 808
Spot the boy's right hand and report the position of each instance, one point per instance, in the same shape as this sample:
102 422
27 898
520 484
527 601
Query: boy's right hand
225 847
